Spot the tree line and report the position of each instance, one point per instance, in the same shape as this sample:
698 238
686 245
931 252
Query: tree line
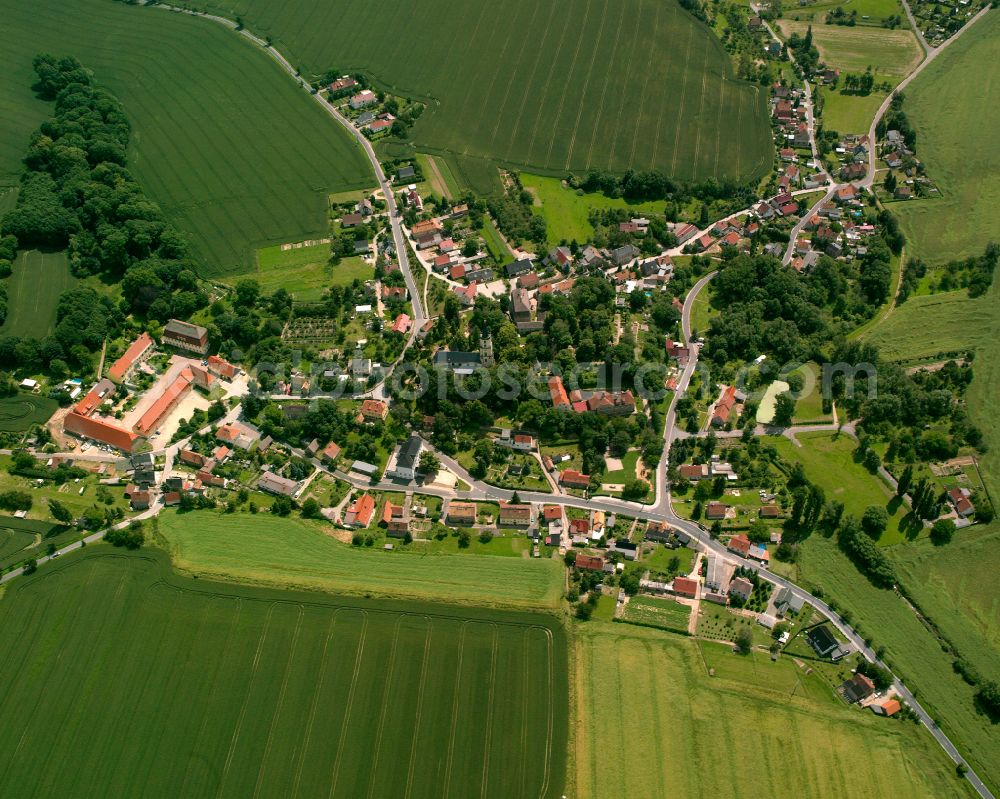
76 193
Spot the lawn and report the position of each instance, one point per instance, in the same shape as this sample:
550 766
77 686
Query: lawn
892 54
143 683
33 291
566 213
773 730
635 84
828 459
304 272
292 553
22 411
849 113
234 154
809 408
963 83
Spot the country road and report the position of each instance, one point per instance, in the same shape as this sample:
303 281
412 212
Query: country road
869 179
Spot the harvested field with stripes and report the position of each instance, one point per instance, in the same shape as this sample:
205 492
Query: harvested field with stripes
546 85
233 152
129 681
692 719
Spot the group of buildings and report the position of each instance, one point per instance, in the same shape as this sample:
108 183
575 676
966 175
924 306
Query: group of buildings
98 417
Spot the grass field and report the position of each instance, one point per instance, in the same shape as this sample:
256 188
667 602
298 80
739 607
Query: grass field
925 326
77 496
850 113
952 598
296 554
829 462
130 681
756 728
911 649
702 311
963 83
566 213
635 84
875 10
305 272
663 613
33 291
809 408
892 54
954 584
235 155
20 412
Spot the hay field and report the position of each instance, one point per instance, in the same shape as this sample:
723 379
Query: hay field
33 291
757 728
890 53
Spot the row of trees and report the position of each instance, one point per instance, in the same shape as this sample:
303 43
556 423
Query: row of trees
512 211
77 193
653 185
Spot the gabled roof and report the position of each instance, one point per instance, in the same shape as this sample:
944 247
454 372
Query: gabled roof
101 431
121 367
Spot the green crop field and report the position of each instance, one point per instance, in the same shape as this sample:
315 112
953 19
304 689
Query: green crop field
235 155
892 54
33 291
304 272
18 535
13 541
21 411
129 681
765 727
293 553
955 106
565 85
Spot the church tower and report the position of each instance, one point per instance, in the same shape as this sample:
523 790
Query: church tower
486 350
